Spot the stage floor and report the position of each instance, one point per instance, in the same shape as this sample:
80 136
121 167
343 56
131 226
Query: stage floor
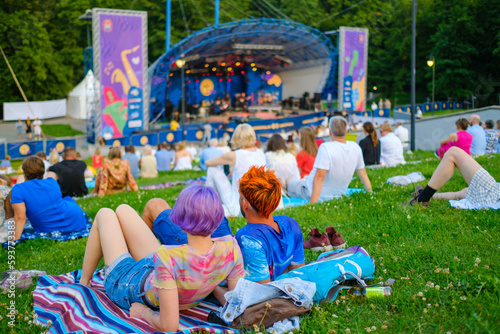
225 116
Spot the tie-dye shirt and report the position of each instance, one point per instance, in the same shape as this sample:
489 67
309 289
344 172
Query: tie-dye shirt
193 274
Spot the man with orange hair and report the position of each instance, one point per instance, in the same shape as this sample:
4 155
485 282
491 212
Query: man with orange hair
270 245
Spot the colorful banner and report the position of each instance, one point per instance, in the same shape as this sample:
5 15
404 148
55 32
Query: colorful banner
23 149
145 139
353 61
59 145
120 62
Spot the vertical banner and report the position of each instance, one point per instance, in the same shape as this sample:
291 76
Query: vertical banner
353 61
120 65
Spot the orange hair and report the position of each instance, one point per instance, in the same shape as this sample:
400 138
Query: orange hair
262 190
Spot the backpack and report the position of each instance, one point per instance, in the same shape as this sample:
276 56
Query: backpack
333 268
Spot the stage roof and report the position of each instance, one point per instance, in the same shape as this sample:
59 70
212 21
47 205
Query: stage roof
271 44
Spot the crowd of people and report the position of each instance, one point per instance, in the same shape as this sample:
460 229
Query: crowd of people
161 260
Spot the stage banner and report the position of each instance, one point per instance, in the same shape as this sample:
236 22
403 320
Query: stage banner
170 136
23 149
117 142
120 65
59 145
353 61
145 139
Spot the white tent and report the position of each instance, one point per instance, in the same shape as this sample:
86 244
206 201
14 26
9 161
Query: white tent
82 97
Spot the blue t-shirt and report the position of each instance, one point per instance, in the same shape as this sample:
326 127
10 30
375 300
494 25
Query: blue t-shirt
5 164
134 164
478 139
207 154
163 160
46 209
267 253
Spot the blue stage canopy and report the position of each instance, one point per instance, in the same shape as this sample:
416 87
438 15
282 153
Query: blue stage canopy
273 45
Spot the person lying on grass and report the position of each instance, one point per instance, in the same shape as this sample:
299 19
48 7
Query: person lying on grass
270 245
483 189
141 275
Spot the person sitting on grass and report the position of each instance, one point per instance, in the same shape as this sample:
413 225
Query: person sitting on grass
114 175
271 245
461 139
142 275
483 189
69 174
333 169
41 201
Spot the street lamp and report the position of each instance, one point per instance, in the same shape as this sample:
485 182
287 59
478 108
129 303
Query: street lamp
432 63
180 64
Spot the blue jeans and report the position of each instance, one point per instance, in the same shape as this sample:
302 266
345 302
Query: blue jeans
171 234
124 278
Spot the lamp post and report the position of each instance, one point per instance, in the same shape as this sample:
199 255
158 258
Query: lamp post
432 63
180 64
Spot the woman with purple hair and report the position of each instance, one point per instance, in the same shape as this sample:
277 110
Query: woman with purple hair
144 276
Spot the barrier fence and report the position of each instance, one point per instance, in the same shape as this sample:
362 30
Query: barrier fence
23 149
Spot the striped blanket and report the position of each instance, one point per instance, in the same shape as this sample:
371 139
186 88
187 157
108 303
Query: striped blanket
74 308
174 183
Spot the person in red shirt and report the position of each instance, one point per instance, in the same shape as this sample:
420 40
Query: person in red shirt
306 156
97 159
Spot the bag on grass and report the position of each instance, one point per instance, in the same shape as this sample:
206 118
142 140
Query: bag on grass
333 268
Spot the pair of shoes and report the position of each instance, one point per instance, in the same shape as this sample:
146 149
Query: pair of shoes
324 242
413 202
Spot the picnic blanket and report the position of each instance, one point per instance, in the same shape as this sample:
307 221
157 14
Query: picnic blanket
174 183
289 202
73 307
404 180
54 235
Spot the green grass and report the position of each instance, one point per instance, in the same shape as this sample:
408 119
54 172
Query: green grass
60 130
419 247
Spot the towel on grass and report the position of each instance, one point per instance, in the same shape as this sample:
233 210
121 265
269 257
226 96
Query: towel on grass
73 307
289 202
467 205
404 180
54 235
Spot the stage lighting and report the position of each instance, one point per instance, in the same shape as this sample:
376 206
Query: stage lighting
238 63
214 69
254 69
229 69
206 65
223 64
252 64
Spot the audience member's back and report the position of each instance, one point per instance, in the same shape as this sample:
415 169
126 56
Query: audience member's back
132 159
164 158
478 135
70 174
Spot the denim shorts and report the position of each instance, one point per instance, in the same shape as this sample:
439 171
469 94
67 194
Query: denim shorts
171 234
125 277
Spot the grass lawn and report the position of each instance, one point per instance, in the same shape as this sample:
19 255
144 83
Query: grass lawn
60 130
445 261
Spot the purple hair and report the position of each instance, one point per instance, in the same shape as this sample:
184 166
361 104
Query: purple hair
198 210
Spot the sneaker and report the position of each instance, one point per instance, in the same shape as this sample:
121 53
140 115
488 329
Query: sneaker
335 238
318 242
413 202
418 190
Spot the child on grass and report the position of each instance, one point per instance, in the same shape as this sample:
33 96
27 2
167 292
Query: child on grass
141 275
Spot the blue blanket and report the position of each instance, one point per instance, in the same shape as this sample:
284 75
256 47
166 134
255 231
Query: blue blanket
291 201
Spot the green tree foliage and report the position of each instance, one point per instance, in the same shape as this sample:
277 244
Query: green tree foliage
44 40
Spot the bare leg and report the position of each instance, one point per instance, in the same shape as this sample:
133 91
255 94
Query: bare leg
454 157
152 209
138 236
451 195
105 239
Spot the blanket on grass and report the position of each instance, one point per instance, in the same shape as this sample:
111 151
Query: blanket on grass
54 235
171 184
72 307
467 205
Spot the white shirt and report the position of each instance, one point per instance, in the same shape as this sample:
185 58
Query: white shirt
340 160
244 160
402 133
284 164
391 150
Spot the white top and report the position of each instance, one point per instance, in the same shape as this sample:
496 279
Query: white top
402 133
183 163
224 149
340 160
284 164
391 150
244 160
192 150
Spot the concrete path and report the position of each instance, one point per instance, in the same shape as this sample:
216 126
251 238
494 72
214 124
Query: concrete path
8 130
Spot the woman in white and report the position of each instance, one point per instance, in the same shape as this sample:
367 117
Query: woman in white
391 148
148 163
183 158
245 156
280 160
